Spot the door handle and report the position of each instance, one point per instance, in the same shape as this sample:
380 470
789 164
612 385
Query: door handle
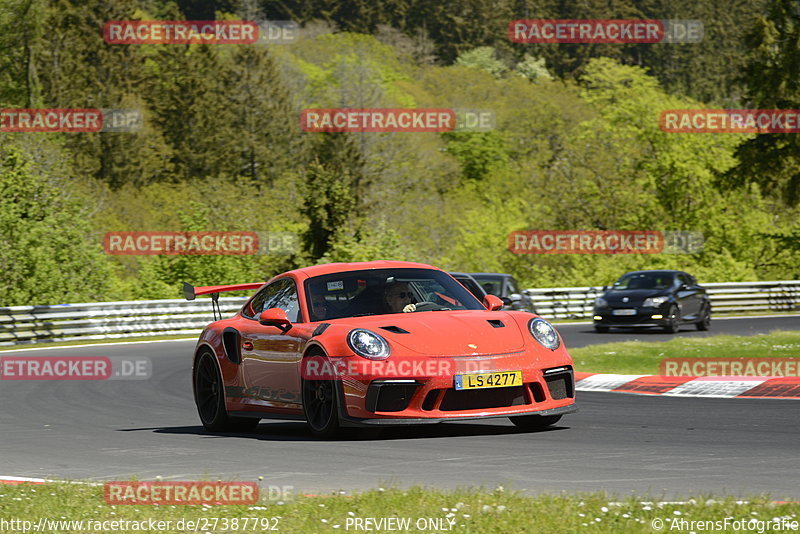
247 345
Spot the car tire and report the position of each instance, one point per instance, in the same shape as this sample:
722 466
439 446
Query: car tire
209 397
320 403
673 320
705 320
535 422
601 329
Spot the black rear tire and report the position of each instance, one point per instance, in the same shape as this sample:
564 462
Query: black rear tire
535 422
209 397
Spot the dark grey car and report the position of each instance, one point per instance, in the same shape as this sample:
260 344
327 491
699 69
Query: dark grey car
505 287
653 298
470 283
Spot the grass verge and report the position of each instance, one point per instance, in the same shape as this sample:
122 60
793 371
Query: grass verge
425 510
637 357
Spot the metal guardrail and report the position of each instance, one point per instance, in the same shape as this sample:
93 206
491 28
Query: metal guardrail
726 297
109 320
142 318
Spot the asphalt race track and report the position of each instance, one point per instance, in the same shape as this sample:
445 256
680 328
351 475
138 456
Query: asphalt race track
656 446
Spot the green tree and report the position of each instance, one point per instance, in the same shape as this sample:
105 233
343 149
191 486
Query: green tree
162 276
329 204
48 252
773 160
266 132
483 58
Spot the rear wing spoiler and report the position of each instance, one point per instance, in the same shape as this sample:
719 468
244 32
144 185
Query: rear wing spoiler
190 292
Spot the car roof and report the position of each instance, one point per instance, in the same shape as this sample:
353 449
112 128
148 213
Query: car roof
490 275
330 268
662 271
455 274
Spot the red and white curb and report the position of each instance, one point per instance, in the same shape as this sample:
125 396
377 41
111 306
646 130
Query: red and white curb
724 387
13 481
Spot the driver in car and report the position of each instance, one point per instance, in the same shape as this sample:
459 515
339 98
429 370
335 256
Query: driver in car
399 298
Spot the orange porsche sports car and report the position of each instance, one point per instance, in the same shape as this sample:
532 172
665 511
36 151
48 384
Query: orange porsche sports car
376 343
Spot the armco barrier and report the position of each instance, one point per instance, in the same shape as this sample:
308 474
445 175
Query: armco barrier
111 320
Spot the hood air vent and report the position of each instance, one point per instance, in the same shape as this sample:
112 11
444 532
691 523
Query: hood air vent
394 329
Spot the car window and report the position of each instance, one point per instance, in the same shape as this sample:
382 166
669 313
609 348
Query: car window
512 286
653 280
683 279
256 305
285 298
473 287
279 294
492 286
383 291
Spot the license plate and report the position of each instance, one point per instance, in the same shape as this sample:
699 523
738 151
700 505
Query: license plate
489 380
623 312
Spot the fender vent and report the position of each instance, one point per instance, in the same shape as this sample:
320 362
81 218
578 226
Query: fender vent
497 323
320 329
230 342
394 329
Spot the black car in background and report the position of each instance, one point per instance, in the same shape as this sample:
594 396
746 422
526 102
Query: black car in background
653 298
505 287
471 284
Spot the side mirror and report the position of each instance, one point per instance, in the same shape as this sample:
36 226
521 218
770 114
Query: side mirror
275 317
492 302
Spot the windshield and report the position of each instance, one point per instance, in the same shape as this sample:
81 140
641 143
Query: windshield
645 281
385 291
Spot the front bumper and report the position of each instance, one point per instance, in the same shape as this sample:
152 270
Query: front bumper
642 317
547 390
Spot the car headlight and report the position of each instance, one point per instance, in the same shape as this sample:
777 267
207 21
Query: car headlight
654 302
368 344
600 302
544 333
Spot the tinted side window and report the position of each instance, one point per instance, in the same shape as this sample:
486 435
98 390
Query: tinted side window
256 305
683 279
285 298
512 286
